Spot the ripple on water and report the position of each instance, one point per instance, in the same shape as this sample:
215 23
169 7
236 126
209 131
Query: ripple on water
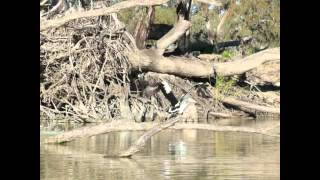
175 154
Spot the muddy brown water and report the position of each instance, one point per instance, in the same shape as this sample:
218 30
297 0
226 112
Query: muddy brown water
171 154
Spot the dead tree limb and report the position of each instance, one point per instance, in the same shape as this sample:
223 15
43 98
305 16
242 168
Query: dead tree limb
98 12
178 30
213 2
250 62
249 107
132 126
150 60
42 3
225 17
140 143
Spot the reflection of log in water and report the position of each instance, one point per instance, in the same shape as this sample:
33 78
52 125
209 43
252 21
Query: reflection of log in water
140 143
229 154
96 158
131 126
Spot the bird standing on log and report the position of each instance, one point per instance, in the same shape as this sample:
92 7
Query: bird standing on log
162 86
178 107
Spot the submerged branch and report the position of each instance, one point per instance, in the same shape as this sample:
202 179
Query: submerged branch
140 143
131 126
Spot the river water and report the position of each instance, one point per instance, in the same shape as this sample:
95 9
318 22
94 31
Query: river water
171 154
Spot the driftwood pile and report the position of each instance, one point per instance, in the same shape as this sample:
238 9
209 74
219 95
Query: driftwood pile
84 69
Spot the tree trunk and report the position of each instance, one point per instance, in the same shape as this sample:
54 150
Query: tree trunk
150 60
184 8
143 26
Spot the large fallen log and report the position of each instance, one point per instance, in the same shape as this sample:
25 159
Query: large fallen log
115 126
265 75
149 59
152 59
249 107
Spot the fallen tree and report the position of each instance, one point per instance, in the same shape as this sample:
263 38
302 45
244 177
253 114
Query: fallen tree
149 60
249 107
115 126
87 66
152 59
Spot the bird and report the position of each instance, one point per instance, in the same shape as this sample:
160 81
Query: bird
151 88
178 106
181 106
183 103
162 86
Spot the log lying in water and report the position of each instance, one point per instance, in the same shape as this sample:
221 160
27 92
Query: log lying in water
249 107
131 126
140 143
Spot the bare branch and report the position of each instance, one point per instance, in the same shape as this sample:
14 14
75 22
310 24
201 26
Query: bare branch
43 2
225 17
250 62
98 12
174 34
213 2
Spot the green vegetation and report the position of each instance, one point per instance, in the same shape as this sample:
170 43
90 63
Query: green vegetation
228 54
257 18
222 87
126 15
165 15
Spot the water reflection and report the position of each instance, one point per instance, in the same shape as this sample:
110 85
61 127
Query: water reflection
173 154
